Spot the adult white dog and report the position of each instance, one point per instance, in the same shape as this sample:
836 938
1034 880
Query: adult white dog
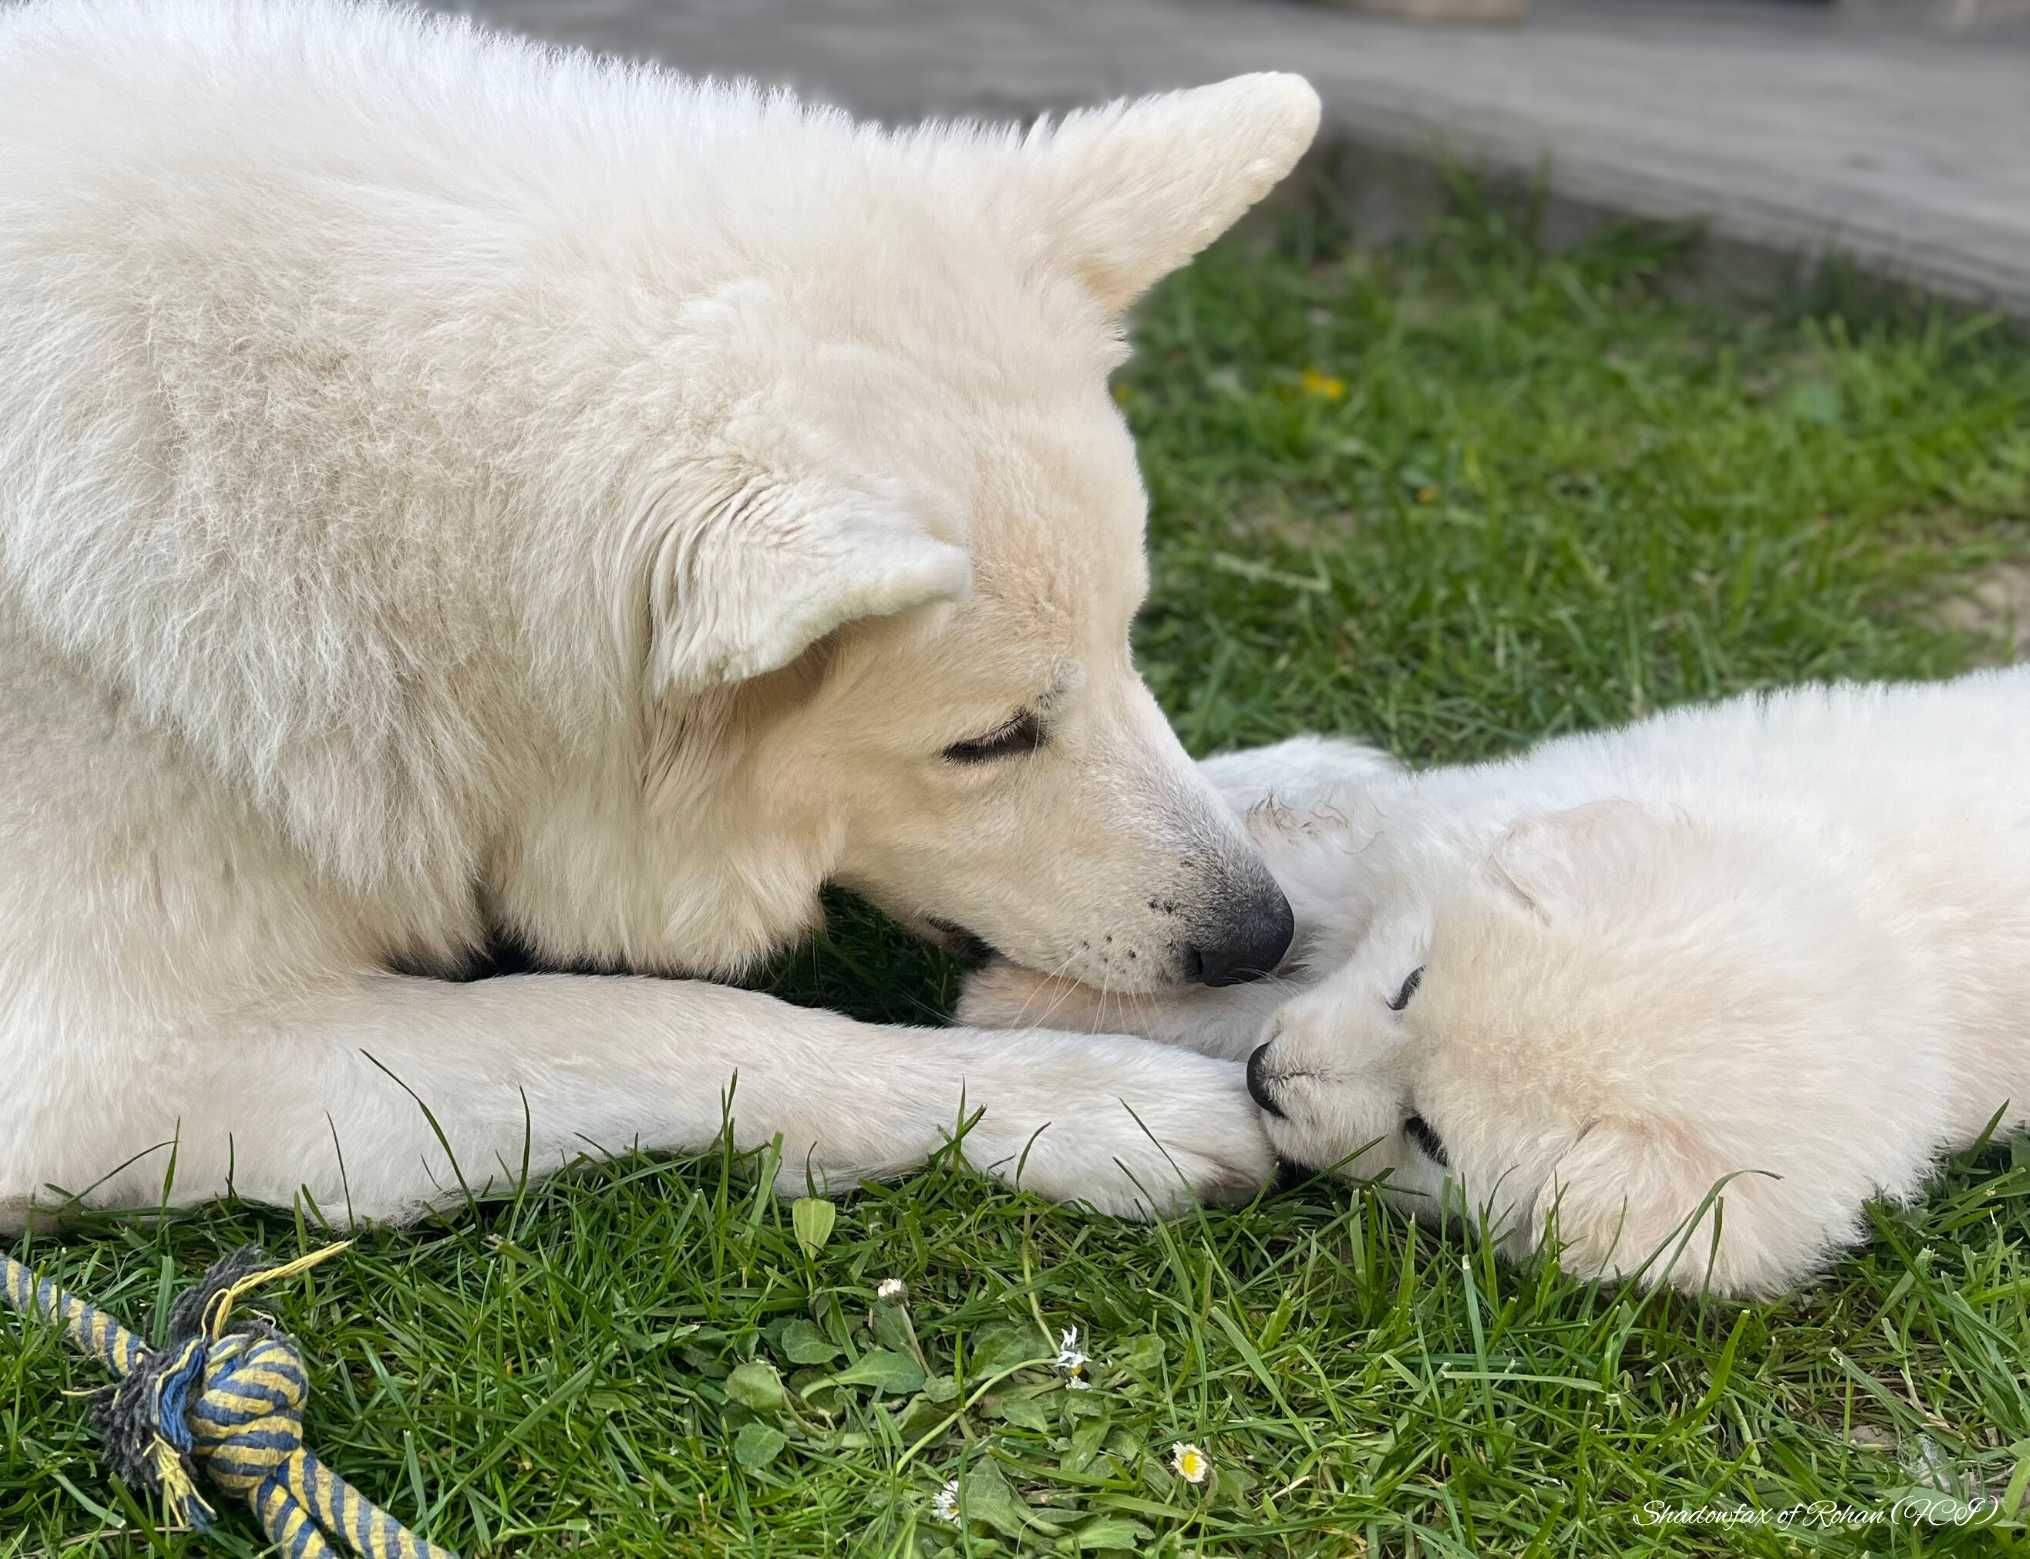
1779 946
450 487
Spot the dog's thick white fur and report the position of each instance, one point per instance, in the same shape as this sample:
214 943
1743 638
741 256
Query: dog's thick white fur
448 486
1784 939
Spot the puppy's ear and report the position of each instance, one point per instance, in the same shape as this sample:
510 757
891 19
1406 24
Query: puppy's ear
1133 190
747 588
1556 864
1643 1199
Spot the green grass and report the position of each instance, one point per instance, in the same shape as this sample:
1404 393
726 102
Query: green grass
1519 495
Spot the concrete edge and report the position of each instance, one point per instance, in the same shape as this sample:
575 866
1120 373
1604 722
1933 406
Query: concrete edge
1390 182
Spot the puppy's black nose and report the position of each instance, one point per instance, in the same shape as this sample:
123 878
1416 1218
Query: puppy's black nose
1250 948
1258 1087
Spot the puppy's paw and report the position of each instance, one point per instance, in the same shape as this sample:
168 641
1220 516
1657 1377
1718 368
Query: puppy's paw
1298 777
1005 995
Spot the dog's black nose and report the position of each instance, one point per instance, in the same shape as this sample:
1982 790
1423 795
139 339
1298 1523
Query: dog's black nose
1258 1088
1250 948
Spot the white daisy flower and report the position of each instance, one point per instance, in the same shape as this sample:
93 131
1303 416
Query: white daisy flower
945 1503
1189 1462
1071 1360
891 1291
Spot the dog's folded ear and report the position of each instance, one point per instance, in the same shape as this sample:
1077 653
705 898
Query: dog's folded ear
747 588
1643 1199
1558 864
1619 1202
1133 190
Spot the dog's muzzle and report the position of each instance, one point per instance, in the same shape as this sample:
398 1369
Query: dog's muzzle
1249 948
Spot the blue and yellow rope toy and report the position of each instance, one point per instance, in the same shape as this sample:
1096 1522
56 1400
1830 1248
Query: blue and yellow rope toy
225 1402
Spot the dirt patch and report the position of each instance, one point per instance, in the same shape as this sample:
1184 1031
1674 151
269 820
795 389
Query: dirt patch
1996 602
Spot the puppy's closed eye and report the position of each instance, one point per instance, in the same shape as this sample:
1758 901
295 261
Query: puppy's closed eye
1409 989
1419 1131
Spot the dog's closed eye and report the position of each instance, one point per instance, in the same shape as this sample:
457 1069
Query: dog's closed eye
1023 734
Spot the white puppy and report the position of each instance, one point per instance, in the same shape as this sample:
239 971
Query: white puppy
451 488
1779 947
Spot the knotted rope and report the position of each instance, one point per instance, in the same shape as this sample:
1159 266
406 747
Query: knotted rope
228 1403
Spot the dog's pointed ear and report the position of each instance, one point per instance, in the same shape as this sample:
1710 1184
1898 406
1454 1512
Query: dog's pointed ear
1555 863
752 587
1133 190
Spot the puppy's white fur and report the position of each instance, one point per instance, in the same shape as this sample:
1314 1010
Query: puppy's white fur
449 485
1784 940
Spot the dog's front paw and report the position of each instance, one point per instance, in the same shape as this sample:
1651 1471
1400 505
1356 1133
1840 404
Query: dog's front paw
1141 1136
